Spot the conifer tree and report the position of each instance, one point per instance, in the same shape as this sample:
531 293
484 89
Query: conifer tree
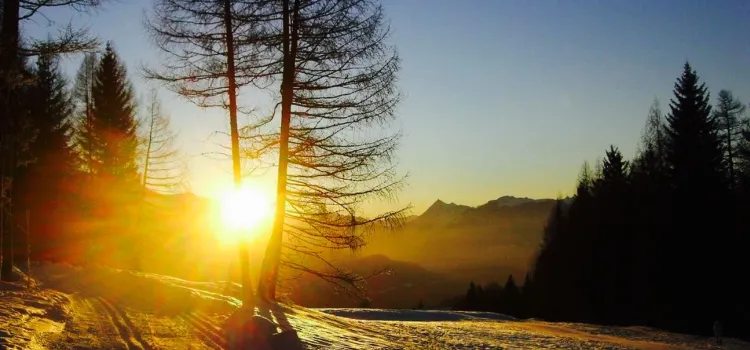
114 119
43 185
510 298
697 177
693 147
52 112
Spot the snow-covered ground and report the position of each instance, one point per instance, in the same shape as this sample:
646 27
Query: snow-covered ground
80 308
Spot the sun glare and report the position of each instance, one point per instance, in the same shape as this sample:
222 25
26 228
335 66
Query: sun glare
243 213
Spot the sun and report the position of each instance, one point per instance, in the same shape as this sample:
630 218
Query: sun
244 212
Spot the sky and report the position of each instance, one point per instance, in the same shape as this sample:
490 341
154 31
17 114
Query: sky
502 97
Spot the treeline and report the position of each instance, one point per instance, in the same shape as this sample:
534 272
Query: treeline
662 239
509 299
84 159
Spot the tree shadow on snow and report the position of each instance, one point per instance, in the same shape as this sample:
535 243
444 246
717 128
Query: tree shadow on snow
268 329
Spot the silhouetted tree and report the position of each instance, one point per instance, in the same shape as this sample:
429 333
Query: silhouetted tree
527 297
44 185
637 235
213 50
510 299
115 120
88 147
337 78
612 245
743 158
164 171
728 115
695 159
14 76
472 297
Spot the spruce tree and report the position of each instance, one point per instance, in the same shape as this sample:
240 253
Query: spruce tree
693 147
694 156
510 298
472 297
44 184
52 112
114 119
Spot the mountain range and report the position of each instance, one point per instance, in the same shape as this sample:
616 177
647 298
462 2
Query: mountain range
435 255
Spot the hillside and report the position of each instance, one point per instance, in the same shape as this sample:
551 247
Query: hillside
405 285
480 243
88 308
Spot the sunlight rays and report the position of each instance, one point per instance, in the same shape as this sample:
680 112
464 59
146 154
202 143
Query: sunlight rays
244 213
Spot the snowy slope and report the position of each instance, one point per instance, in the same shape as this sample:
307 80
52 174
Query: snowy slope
104 308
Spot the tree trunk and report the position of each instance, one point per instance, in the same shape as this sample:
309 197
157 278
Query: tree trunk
8 73
272 259
244 253
730 155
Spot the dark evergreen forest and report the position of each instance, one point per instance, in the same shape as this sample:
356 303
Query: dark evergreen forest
659 240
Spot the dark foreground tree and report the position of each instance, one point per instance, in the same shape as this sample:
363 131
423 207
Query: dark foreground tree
210 54
697 175
13 77
638 239
44 186
335 150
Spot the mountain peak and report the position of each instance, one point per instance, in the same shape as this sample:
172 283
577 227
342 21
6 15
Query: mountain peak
440 208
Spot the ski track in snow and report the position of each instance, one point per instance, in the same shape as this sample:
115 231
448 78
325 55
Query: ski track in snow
203 326
127 331
95 308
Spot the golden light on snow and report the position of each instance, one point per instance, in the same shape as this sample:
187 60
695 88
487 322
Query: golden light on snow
243 213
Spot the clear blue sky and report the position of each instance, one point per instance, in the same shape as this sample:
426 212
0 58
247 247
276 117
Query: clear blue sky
503 97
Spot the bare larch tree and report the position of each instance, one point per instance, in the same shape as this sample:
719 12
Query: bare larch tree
729 116
203 65
335 147
85 135
163 167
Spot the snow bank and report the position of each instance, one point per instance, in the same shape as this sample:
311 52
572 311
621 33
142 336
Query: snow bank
149 297
148 292
26 312
415 315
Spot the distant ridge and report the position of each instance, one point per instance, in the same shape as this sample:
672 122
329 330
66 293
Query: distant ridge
510 201
441 208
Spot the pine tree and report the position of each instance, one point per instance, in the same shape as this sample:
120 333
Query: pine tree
510 298
472 297
527 297
52 113
44 185
612 249
114 119
693 147
614 170
695 161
